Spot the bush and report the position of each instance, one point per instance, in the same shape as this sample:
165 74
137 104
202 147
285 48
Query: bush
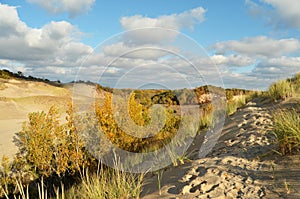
287 130
119 130
281 90
48 147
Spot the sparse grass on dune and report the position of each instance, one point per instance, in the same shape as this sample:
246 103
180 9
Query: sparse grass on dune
106 183
287 130
234 104
281 90
284 89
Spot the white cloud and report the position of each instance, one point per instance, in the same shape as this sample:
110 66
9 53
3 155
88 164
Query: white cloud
265 72
10 24
232 60
261 61
282 14
259 46
51 51
290 62
72 7
288 11
52 44
185 19
277 67
175 22
137 52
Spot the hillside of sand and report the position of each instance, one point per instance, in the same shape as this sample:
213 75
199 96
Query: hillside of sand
20 97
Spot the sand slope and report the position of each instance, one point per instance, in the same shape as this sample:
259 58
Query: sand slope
18 98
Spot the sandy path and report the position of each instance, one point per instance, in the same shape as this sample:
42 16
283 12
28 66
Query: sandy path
241 165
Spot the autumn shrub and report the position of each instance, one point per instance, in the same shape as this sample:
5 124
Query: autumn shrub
116 128
48 147
5 176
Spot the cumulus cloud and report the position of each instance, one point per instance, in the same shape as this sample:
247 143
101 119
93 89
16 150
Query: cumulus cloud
72 7
232 60
185 19
175 22
278 67
281 14
261 61
288 11
259 46
10 23
54 44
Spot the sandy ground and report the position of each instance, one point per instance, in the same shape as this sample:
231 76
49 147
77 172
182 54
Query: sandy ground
7 131
241 165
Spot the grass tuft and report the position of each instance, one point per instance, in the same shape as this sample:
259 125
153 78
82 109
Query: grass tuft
287 130
281 90
234 104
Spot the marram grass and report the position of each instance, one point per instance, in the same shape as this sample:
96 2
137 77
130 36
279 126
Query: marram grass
286 127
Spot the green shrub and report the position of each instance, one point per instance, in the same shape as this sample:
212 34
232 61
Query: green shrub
281 90
287 130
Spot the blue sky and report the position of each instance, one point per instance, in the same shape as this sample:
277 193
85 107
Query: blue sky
237 43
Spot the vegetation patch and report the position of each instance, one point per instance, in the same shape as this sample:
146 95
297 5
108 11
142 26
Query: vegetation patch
286 127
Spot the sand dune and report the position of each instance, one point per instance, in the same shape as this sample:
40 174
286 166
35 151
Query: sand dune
18 98
241 164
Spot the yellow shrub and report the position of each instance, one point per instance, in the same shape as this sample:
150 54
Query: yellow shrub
48 146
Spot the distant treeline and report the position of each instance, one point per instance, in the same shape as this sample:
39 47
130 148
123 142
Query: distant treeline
6 74
146 97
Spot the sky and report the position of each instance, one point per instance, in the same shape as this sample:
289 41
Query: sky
160 44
